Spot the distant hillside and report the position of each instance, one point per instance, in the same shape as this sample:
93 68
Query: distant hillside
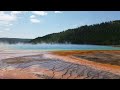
14 40
106 33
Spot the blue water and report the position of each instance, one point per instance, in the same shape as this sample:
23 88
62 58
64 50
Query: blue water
51 47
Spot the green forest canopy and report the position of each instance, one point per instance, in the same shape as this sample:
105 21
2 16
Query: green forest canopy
106 33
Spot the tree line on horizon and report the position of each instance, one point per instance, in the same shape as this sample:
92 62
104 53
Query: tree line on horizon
106 33
14 40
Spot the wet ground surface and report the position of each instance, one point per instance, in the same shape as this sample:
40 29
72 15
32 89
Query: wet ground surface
102 57
42 67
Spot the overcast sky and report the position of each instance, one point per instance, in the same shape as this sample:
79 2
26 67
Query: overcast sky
31 24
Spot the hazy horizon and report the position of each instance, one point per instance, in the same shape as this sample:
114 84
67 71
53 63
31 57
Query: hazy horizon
32 24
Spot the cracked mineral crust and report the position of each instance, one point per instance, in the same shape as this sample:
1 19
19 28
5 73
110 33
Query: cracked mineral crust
60 66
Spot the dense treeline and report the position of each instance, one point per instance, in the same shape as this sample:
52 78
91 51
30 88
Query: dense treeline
106 33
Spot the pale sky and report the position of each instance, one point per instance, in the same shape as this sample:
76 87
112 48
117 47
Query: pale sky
32 24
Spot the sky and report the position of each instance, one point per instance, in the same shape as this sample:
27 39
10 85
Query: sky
32 24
